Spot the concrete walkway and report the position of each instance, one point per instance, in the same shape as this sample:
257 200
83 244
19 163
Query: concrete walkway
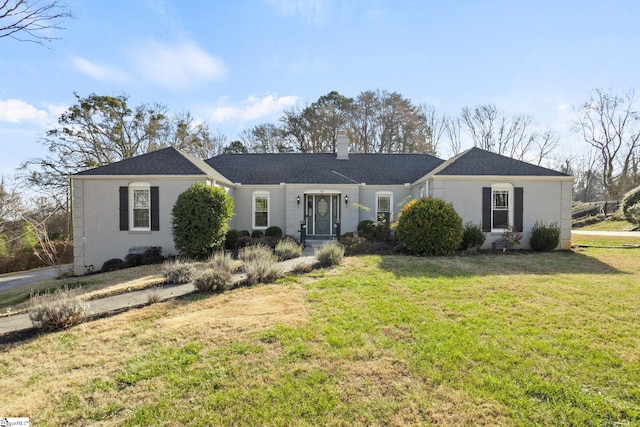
20 324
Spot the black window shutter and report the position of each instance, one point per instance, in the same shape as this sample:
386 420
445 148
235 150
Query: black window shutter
155 209
518 214
486 209
124 208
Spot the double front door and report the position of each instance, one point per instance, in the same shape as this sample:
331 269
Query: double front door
323 210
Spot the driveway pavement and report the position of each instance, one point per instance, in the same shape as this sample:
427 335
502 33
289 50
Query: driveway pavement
11 280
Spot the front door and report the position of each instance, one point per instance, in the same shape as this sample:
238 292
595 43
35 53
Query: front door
323 215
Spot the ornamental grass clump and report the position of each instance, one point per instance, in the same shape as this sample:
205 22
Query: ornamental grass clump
330 254
177 271
222 261
288 249
259 264
544 237
211 280
58 310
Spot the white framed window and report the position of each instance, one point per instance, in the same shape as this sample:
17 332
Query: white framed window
501 206
261 204
140 206
384 204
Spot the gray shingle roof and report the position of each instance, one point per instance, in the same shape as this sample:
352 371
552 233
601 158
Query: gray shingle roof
295 168
478 162
167 161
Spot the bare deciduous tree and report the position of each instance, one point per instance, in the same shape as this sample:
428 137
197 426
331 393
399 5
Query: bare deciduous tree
31 20
611 125
492 131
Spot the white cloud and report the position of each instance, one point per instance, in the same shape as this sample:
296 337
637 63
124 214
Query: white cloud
253 108
99 72
17 111
176 67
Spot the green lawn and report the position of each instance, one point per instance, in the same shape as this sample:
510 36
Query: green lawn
609 225
509 339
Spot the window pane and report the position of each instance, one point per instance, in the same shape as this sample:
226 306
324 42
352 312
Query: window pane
141 218
261 204
500 218
261 219
501 199
384 204
140 199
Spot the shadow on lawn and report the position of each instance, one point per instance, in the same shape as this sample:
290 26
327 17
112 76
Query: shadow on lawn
491 263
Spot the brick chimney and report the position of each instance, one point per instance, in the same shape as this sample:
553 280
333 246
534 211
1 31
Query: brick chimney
342 145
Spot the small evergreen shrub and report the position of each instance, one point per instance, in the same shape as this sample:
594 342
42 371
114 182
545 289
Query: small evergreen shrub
257 234
631 198
287 249
544 237
330 254
366 229
243 241
133 260
273 231
429 226
177 271
113 264
211 280
245 233
152 255
355 244
58 310
472 236
231 238
259 264
266 241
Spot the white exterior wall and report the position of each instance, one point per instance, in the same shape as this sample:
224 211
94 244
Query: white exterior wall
96 220
546 200
401 195
243 206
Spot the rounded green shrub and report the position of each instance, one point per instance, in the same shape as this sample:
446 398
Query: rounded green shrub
632 197
544 237
472 236
257 234
113 264
429 226
273 231
245 233
200 220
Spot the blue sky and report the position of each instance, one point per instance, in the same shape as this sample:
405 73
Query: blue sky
235 64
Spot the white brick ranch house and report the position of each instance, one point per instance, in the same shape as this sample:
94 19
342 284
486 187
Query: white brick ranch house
128 204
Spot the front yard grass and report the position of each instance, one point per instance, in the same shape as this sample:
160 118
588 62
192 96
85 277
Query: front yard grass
93 285
508 339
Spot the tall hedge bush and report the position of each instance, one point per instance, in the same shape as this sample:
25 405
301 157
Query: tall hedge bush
429 226
200 220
